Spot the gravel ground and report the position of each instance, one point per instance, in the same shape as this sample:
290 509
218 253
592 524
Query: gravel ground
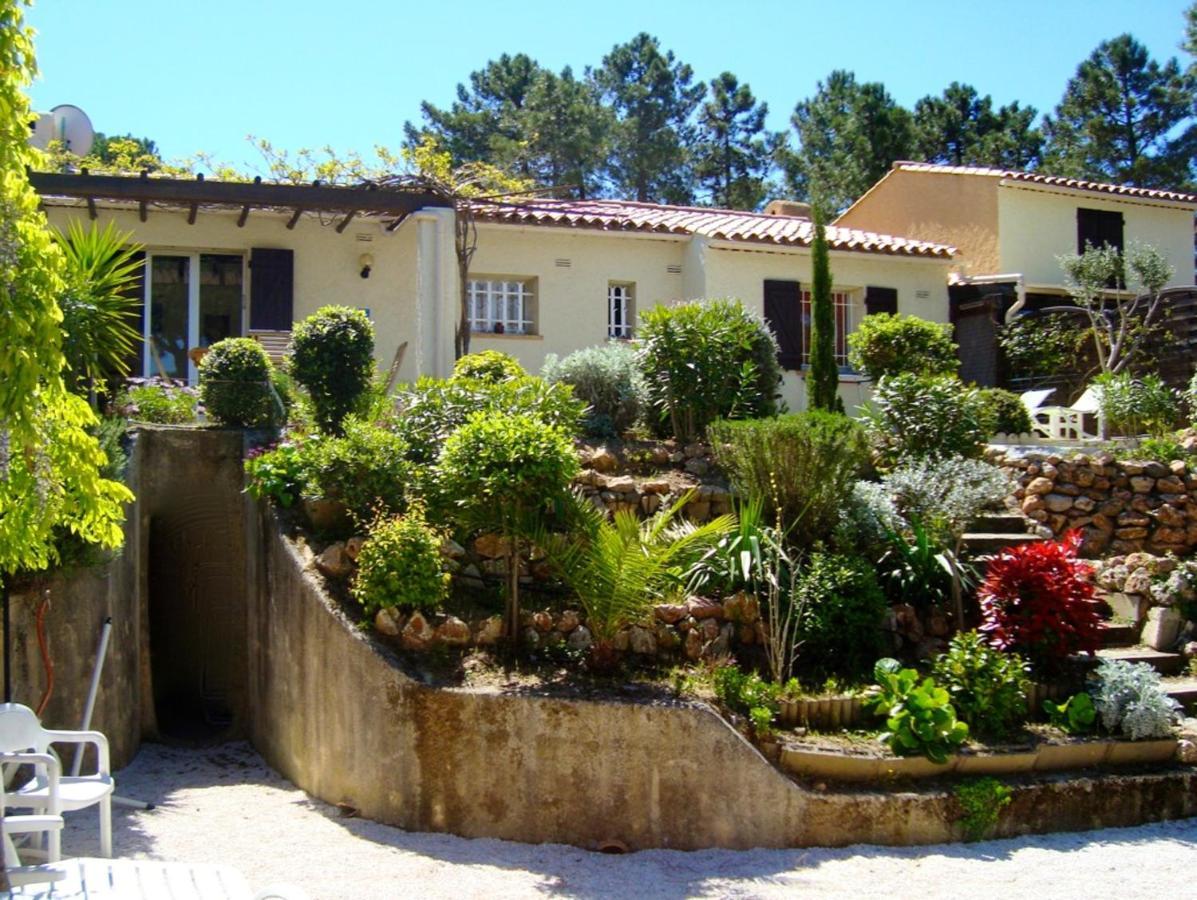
225 805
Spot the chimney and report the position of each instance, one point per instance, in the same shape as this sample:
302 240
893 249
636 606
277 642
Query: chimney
795 208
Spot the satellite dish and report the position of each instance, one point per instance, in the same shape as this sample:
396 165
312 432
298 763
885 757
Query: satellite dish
66 123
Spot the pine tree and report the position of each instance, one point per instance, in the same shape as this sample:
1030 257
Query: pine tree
849 135
654 101
961 128
733 155
823 376
568 132
1118 119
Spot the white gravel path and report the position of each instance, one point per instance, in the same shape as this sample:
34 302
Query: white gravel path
225 805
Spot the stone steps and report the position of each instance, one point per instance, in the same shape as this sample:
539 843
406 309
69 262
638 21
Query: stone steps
1184 691
1001 523
980 543
1163 662
1119 634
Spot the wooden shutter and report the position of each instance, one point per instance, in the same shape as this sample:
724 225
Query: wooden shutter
271 286
881 300
1097 227
783 313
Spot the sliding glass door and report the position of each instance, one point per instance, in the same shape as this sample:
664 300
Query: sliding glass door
193 300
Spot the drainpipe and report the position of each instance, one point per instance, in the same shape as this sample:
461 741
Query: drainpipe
1020 289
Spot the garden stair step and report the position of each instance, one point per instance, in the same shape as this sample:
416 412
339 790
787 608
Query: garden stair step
982 542
1163 662
1184 691
1001 523
1118 634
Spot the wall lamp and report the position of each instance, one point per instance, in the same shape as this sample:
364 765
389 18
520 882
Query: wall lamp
366 261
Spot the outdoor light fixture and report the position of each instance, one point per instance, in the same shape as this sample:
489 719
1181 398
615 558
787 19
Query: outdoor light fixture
366 261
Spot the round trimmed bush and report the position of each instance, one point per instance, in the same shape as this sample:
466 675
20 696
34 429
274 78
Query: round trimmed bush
488 365
1006 410
886 344
400 565
235 378
332 357
921 416
606 378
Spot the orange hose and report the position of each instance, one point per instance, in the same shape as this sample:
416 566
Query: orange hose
45 650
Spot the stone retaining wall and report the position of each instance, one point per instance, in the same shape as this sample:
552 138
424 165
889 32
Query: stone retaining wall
1120 506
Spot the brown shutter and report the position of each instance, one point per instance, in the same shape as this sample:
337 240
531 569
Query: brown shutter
271 286
783 313
881 300
1097 227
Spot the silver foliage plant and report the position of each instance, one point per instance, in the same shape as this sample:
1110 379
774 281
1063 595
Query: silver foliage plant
949 492
1130 698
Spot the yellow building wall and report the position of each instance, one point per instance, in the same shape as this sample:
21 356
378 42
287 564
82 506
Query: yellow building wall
327 270
960 210
1036 226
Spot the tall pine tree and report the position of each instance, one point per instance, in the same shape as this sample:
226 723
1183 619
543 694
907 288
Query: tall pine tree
823 376
733 155
654 101
961 128
1119 118
568 133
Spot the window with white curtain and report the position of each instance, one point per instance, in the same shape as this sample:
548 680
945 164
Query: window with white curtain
502 306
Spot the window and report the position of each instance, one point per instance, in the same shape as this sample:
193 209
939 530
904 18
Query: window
846 320
501 306
788 312
1095 227
621 309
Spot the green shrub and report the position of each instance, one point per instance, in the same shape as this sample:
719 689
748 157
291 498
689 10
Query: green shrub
801 466
1076 715
235 383
840 616
1156 449
276 472
707 360
332 358
1190 398
987 687
749 695
920 718
886 344
607 379
1007 413
917 416
435 408
1136 405
981 803
946 494
158 401
488 365
365 468
915 567
1050 344
400 565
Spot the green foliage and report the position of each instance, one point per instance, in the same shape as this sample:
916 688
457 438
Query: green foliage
919 416
733 153
235 384
365 468
707 360
981 803
49 461
1158 449
841 612
1006 411
99 304
435 408
886 344
332 358
1076 715
1137 405
946 494
608 380
801 466
915 567
1041 345
158 401
1130 698
988 687
920 718
400 565
823 376
619 568
961 128
488 365
277 472
749 695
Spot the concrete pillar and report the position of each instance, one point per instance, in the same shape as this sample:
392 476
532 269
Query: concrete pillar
436 292
694 269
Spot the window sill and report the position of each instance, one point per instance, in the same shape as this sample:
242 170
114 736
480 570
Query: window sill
845 377
490 335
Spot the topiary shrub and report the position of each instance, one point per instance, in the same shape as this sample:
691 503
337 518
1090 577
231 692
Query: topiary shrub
488 365
841 609
707 360
1037 600
235 384
400 565
918 416
1006 411
801 467
987 687
332 358
365 468
607 379
886 344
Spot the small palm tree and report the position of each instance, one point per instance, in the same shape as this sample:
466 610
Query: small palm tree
620 568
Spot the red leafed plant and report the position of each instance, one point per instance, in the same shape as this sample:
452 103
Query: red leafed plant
1037 600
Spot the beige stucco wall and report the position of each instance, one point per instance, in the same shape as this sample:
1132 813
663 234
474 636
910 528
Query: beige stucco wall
1038 225
960 210
326 263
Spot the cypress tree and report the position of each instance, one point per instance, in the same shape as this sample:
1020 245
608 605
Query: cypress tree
823 377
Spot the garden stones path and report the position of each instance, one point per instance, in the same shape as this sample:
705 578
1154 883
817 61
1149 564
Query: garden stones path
224 805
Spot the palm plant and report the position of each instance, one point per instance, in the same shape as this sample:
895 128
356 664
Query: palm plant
620 568
919 568
99 304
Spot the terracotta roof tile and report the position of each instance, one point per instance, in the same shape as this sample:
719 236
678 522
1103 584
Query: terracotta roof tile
718 224
1079 184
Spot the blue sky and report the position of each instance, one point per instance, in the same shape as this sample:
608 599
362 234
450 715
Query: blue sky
202 74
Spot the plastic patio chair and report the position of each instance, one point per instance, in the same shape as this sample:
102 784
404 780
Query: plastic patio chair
1067 423
21 732
48 824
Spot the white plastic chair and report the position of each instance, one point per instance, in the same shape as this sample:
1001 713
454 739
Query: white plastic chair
1067 423
47 792
49 825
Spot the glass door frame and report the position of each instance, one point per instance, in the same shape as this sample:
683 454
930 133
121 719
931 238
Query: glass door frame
193 303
